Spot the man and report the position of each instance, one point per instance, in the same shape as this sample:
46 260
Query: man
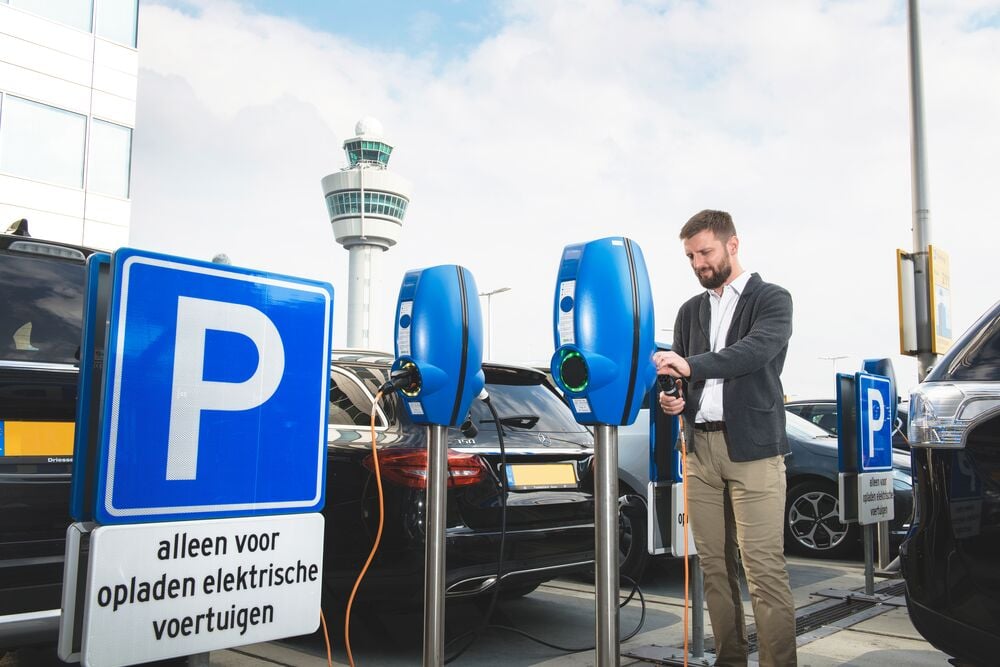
729 346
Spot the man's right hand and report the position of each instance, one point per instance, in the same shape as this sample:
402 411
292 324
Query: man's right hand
672 405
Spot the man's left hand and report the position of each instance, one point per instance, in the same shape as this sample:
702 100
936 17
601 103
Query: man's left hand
671 363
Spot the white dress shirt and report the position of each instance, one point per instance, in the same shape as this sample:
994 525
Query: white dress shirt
723 306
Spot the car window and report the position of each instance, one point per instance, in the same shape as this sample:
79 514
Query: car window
537 405
802 427
350 403
42 311
981 360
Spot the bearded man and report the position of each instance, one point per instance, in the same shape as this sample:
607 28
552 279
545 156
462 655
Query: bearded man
729 347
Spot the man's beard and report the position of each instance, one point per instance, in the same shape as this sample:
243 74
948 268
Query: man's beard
718 275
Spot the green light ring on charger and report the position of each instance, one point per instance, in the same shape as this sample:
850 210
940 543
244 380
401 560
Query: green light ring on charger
568 355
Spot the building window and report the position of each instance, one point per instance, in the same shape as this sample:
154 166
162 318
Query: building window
42 143
110 155
116 20
75 13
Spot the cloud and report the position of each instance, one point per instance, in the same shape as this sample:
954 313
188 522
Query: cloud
577 120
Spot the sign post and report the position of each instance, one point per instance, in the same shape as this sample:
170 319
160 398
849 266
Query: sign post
207 408
864 408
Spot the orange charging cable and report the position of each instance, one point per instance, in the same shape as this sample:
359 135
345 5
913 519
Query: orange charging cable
378 535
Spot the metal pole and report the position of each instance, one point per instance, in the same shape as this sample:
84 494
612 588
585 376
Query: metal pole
869 563
606 544
697 609
921 207
489 326
434 562
884 557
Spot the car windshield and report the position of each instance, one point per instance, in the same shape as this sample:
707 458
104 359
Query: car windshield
41 317
804 428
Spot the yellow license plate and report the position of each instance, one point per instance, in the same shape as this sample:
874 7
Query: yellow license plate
523 476
19 438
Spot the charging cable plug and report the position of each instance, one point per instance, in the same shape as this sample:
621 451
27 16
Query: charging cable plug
405 379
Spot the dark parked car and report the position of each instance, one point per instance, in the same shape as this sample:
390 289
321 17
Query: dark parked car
549 526
41 289
550 529
823 413
950 557
812 527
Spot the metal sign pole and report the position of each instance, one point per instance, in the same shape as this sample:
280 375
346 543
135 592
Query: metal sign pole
606 543
434 562
869 561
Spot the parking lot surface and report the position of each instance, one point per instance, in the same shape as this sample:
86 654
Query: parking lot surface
561 613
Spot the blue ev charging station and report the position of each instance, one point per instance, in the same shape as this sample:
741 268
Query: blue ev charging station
604 338
438 370
865 410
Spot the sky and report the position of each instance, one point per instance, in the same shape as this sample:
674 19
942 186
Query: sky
526 126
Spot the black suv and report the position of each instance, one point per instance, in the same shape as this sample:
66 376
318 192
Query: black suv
41 289
950 556
549 528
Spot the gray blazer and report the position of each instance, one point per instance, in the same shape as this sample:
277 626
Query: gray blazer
753 400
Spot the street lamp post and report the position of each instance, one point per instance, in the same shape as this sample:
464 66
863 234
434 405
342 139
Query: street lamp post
489 318
835 359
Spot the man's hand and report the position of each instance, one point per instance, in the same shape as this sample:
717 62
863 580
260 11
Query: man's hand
672 405
671 363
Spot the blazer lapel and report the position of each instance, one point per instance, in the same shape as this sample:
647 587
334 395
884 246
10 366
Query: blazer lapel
752 284
705 320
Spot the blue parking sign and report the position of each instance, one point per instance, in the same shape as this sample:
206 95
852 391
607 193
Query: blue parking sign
874 426
216 392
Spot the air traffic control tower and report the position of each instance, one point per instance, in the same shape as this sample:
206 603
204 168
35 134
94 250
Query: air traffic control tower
367 203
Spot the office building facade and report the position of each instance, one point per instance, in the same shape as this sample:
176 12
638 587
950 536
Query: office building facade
68 73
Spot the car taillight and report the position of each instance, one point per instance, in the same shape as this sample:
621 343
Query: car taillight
408 467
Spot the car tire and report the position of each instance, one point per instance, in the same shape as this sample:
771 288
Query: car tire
632 552
812 527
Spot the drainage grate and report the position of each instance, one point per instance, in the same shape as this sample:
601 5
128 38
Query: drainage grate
823 614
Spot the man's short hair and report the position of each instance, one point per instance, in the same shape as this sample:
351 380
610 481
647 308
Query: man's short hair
719 222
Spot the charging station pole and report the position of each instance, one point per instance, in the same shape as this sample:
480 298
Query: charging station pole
606 508
603 329
439 359
437 496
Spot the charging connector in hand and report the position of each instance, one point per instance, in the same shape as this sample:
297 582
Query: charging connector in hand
669 385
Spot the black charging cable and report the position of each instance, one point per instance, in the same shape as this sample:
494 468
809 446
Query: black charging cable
504 490
477 633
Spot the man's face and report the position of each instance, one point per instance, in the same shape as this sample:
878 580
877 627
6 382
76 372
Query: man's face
710 258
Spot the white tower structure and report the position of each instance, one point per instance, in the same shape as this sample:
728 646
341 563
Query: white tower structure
367 203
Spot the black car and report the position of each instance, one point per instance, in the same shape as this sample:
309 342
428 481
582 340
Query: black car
823 413
949 559
41 289
549 528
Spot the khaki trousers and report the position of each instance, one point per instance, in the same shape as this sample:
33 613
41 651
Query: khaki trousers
742 505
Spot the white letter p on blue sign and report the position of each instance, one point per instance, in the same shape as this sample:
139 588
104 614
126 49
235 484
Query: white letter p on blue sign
876 417
192 394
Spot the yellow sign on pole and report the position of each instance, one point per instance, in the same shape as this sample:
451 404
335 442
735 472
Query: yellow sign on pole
939 274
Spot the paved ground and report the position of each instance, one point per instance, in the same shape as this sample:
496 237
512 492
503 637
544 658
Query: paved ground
562 613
